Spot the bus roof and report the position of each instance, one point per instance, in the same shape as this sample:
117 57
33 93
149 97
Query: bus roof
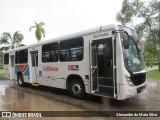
66 37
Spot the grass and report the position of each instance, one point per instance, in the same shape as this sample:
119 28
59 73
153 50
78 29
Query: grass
1 118
1 72
155 74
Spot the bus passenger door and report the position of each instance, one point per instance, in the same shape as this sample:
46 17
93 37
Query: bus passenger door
34 66
102 71
12 67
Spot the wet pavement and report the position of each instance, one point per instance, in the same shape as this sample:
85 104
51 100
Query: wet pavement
15 98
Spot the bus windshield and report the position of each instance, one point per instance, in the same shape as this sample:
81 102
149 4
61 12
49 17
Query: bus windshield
133 58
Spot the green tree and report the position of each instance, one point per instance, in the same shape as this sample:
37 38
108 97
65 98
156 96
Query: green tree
1 57
149 13
4 39
39 30
150 51
16 39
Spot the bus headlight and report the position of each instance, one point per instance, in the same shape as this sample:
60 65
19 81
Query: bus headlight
130 83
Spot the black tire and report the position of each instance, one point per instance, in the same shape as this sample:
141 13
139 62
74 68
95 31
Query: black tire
77 89
20 80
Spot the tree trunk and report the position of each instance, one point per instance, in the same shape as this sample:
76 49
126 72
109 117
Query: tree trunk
159 59
159 44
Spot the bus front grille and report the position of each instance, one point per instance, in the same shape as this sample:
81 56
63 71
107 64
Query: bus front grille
138 79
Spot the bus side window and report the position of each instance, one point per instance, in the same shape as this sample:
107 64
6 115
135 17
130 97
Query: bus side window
71 50
50 52
23 56
16 57
6 58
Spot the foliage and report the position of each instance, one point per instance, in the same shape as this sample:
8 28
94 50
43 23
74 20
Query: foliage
1 66
144 10
149 13
1 118
1 74
16 39
1 57
39 30
155 74
4 39
150 51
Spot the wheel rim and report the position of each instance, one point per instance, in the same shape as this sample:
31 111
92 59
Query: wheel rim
76 88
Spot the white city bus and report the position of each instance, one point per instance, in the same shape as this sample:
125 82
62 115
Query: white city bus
104 61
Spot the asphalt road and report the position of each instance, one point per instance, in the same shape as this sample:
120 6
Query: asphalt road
15 98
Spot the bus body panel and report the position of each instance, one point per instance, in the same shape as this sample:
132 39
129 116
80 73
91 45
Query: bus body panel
128 91
24 70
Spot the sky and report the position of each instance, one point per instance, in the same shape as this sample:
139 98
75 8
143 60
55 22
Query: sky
61 17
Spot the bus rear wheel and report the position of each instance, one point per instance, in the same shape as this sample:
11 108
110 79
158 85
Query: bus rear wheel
77 89
20 80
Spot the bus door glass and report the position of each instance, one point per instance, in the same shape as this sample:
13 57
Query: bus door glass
34 61
94 65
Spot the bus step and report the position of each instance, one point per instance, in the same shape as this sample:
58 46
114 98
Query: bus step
105 86
106 91
35 84
105 81
104 94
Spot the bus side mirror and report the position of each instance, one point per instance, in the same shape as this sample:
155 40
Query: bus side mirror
125 40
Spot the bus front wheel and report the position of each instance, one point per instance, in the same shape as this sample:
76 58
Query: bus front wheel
20 80
77 89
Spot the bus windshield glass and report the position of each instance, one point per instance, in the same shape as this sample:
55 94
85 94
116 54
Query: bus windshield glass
133 58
